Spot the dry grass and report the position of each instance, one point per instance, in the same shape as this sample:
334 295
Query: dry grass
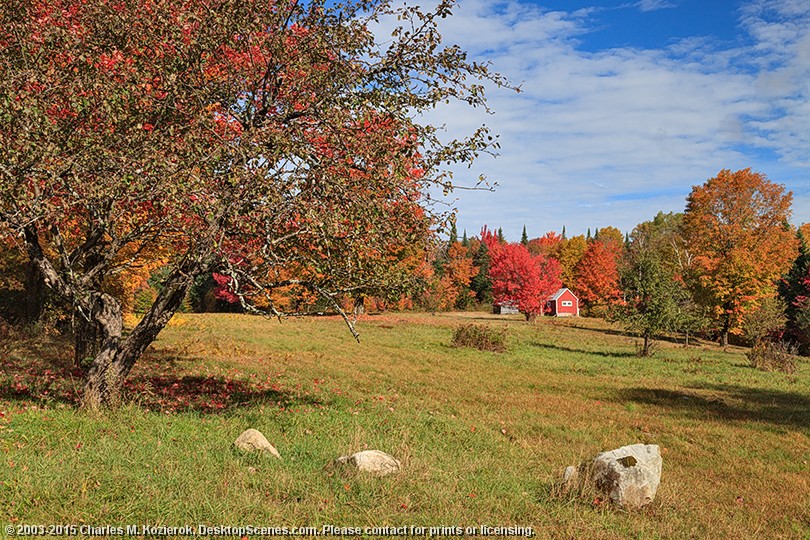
483 436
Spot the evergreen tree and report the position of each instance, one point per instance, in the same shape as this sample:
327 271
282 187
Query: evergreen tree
792 289
501 238
596 234
464 241
524 238
589 237
480 283
453 233
563 233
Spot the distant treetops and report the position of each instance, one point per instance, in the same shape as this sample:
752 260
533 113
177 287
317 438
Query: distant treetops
726 256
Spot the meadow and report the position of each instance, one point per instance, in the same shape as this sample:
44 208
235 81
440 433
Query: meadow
483 436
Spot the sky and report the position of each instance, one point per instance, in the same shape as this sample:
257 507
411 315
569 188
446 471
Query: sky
625 105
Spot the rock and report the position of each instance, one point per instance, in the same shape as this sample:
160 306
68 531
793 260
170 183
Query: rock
371 461
628 475
570 478
252 440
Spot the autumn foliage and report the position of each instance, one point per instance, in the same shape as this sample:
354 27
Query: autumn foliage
736 226
275 143
523 280
597 276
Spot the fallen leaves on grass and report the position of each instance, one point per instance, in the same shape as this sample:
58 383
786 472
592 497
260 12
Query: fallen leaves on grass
159 382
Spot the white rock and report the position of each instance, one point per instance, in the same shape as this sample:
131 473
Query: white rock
252 440
570 478
371 461
629 475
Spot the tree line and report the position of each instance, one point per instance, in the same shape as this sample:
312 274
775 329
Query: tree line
730 265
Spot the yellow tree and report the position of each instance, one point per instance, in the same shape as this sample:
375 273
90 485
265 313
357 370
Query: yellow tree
569 254
736 225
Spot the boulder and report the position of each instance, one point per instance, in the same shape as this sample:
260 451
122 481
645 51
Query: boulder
252 440
628 475
371 461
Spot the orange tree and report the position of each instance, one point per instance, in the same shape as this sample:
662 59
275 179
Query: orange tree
736 227
278 142
597 277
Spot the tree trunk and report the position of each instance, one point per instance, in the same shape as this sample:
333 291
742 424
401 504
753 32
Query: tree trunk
88 334
111 367
104 379
726 325
87 339
34 294
646 350
115 358
359 305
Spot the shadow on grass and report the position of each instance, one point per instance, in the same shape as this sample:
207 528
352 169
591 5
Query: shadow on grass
729 402
694 341
615 354
31 373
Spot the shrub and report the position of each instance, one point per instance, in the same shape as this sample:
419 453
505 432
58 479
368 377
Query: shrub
483 338
773 356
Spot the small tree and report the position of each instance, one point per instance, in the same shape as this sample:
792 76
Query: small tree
765 322
653 299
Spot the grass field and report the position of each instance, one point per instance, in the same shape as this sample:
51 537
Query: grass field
483 437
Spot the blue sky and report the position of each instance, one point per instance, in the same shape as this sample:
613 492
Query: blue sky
627 105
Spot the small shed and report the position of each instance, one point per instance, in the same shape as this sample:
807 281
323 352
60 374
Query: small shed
563 303
507 308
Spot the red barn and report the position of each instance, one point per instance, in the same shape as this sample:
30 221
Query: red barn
563 303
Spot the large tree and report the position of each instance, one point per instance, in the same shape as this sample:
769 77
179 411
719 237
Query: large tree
523 280
597 277
736 226
278 142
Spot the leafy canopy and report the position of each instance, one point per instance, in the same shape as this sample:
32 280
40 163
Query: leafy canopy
279 142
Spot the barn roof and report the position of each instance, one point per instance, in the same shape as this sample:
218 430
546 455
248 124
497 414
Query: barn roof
559 293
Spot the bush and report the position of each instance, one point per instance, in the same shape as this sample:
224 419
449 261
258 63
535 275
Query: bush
774 356
483 338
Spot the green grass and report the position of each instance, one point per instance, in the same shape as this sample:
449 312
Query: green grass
482 436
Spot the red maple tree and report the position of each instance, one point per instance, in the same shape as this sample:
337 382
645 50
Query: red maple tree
522 280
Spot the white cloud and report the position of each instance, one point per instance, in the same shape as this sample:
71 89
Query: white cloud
610 138
654 5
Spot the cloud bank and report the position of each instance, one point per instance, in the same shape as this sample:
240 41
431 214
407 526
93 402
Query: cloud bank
613 136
